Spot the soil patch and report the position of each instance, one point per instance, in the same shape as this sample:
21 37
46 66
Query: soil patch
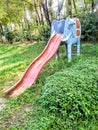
2 103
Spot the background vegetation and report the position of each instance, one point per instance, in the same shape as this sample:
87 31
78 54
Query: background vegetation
31 19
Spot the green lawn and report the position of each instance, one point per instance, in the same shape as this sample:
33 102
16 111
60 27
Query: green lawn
13 61
25 111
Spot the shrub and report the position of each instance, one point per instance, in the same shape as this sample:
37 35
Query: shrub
44 32
19 36
72 95
89 24
9 35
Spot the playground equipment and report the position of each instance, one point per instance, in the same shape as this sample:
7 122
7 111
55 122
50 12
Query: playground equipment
66 30
71 31
30 75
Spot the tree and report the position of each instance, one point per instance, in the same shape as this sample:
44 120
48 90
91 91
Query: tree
69 8
60 6
75 6
44 5
92 5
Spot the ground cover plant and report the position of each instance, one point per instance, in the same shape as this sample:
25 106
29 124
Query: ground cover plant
63 98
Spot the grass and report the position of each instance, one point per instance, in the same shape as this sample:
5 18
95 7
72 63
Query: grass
13 61
23 112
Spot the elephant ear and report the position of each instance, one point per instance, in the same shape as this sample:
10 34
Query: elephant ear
57 26
78 28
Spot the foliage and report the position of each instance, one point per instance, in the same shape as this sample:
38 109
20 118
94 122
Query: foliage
9 34
44 32
72 94
25 112
38 12
89 25
19 35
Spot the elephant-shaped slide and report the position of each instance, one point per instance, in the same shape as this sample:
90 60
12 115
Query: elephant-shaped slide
71 31
33 70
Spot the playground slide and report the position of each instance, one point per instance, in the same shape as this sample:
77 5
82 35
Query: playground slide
34 69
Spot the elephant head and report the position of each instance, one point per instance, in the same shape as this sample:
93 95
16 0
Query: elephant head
72 28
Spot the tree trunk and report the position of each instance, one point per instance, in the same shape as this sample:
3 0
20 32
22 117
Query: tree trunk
50 3
42 19
1 33
28 25
36 19
38 16
92 5
46 12
60 6
29 32
85 5
69 8
75 6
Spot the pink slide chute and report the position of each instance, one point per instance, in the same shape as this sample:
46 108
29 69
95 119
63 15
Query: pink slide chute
33 70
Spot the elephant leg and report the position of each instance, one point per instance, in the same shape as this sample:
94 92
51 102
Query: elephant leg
69 51
57 55
65 48
78 46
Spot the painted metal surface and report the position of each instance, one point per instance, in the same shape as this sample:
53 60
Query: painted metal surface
71 32
32 72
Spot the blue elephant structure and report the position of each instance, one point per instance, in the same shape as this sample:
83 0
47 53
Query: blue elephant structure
71 32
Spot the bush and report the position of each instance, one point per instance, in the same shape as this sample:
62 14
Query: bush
44 32
9 35
89 24
72 95
19 36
